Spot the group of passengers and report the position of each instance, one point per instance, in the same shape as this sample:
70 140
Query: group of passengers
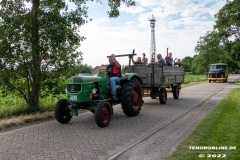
144 60
167 62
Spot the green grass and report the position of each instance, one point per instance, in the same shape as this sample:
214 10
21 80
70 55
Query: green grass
238 82
12 105
220 128
194 78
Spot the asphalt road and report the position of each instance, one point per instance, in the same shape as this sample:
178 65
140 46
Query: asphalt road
152 134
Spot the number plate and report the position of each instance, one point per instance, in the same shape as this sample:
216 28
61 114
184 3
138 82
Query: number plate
73 97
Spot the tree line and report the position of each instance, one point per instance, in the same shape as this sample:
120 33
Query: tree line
221 45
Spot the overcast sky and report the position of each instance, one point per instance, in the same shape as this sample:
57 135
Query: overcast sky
179 25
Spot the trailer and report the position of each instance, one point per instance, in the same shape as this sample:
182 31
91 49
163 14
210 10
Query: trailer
158 79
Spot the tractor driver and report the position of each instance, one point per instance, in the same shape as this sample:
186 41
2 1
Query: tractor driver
113 73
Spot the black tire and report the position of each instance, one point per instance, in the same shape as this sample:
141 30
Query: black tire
163 96
153 94
61 112
176 92
103 113
135 80
210 81
131 98
93 111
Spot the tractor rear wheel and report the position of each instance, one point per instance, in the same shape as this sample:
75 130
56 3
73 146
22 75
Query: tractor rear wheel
176 92
103 113
163 96
61 112
131 98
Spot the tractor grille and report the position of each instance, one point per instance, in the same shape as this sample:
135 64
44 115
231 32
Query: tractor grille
74 88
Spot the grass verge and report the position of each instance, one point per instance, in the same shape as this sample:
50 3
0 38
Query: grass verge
23 119
220 128
194 78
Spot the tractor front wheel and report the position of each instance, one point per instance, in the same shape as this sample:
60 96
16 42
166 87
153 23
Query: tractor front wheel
103 113
61 112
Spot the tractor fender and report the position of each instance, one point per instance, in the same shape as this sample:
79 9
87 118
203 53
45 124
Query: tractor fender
130 76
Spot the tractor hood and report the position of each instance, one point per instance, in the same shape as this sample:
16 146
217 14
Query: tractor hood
87 78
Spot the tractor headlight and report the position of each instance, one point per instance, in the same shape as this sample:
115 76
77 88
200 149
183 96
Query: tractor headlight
94 90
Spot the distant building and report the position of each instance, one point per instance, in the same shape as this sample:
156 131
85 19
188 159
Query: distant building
97 69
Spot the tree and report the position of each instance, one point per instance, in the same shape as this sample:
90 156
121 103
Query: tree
187 63
42 39
210 50
228 21
228 25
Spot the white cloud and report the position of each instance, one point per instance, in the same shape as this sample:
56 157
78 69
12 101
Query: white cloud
102 20
149 3
179 25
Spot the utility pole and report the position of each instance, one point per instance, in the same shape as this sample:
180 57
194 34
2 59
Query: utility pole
153 42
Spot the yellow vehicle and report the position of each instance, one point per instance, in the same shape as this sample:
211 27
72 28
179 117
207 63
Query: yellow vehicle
217 72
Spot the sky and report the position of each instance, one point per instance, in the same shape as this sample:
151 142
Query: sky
179 25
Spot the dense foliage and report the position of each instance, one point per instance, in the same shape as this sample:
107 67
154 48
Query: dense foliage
39 42
222 44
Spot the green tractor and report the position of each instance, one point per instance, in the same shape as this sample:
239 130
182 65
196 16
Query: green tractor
93 93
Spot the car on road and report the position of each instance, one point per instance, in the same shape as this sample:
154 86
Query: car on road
218 72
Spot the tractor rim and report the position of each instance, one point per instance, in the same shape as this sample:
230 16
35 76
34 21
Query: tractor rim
136 98
105 114
64 113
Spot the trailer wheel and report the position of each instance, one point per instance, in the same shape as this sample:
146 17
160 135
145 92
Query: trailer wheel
153 94
61 112
131 98
103 114
163 96
176 92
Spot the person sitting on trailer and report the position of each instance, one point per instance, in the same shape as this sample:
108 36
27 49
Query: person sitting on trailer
160 60
167 61
170 58
113 72
138 61
145 60
177 64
